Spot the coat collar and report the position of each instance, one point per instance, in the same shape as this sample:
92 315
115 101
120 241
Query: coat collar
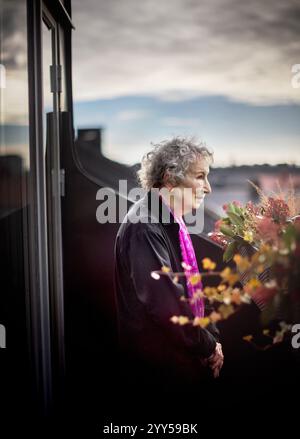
159 210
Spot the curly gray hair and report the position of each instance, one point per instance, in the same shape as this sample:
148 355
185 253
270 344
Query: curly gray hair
174 157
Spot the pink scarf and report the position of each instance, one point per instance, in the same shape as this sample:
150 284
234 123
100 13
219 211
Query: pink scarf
191 266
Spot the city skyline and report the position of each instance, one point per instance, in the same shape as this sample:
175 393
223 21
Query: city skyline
237 133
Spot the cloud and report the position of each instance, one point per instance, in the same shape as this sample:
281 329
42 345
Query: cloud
13 56
282 149
184 49
132 115
179 122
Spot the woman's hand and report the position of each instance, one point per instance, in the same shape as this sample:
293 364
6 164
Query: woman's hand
215 361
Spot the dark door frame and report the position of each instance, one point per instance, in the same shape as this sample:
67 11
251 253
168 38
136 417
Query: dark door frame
45 313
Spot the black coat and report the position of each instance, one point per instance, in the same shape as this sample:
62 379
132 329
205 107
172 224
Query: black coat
148 339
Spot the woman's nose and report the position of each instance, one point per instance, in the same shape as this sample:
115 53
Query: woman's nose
207 187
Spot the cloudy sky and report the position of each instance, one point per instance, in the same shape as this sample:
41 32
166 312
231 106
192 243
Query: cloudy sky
216 69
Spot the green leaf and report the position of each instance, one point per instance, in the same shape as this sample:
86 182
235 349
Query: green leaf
226 220
235 219
231 208
230 251
239 210
227 231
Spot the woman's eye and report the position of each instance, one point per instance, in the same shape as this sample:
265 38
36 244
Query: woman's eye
200 176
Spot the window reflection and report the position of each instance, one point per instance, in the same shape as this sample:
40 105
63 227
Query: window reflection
14 149
63 96
47 37
14 168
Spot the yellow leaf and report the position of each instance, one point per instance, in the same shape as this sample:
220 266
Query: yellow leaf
237 259
242 263
248 236
225 310
208 264
201 321
248 337
225 273
229 276
210 291
165 269
195 279
253 283
182 320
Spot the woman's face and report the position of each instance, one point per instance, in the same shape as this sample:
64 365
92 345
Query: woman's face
197 182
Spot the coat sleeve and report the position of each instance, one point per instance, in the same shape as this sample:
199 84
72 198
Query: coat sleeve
148 251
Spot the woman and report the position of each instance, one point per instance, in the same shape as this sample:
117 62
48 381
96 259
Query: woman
153 348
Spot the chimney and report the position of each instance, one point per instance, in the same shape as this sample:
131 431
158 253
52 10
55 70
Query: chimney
92 137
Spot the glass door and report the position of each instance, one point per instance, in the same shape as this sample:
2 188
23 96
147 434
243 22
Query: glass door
52 89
